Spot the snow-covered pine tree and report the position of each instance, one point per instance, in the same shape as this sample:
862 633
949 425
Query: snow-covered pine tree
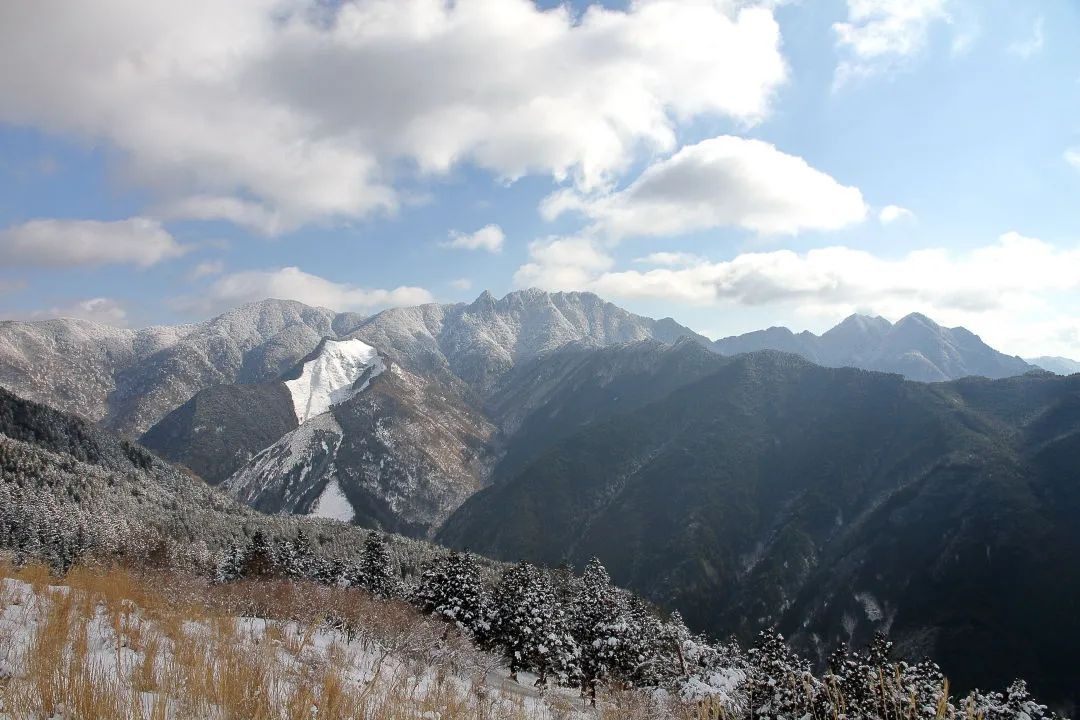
298 558
376 570
1015 703
530 625
599 627
452 588
780 684
230 564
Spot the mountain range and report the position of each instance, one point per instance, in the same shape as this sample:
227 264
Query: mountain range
915 347
770 478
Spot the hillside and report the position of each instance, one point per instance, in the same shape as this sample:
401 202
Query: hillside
830 502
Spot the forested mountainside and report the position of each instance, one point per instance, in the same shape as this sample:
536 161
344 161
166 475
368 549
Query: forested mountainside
69 489
915 347
832 503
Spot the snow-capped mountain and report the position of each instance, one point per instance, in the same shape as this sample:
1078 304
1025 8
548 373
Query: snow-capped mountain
127 380
916 347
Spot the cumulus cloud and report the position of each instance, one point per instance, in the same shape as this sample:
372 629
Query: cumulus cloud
489 237
292 283
877 34
891 213
276 113
100 310
461 284
1014 269
70 243
724 181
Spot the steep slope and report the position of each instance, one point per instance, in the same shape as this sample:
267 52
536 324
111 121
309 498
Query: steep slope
916 347
1057 365
830 502
222 427
547 399
129 379
400 455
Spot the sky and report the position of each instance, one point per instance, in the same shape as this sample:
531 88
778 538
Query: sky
734 164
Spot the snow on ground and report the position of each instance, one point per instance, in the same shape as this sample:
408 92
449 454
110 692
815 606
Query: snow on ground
329 379
146 658
332 504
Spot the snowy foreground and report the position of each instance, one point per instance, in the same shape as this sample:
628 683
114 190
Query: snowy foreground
88 651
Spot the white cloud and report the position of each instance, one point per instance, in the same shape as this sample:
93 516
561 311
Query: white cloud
1072 156
723 181
1032 45
1012 272
556 263
461 284
880 33
670 259
291 283
100 310
892 213
206 269
276 113
489 237
70 243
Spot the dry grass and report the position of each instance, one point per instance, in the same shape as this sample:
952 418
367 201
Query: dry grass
113 643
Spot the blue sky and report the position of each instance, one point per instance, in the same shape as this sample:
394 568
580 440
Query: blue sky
729 163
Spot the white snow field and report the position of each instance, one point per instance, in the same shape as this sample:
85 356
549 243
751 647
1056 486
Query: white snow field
332 504
329 378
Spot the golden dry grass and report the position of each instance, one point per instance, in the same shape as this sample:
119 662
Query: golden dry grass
114 643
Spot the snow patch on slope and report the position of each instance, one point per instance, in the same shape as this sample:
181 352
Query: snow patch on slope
290 463
332 504
331 378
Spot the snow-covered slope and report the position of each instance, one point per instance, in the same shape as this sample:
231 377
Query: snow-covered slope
338 371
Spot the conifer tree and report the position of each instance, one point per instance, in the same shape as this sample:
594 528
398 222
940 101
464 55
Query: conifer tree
598 626
376 570
780 683
453 588
530 626
259 560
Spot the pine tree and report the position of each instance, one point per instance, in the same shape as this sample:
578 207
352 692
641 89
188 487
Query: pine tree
259 560
599 627
780 683
298 560
230 564
530 625
376 570
453 588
